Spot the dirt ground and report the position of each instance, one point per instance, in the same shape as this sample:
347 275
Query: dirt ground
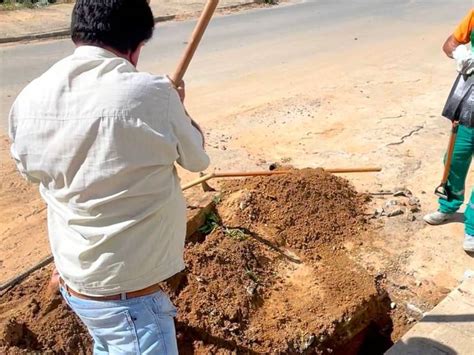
268 272
35 320
22 221
386 111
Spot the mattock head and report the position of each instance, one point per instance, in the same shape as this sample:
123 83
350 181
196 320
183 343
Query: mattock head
205 186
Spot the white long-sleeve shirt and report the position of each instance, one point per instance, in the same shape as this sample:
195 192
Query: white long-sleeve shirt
101 139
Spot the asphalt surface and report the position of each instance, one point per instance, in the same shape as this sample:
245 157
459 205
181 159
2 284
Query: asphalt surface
239 43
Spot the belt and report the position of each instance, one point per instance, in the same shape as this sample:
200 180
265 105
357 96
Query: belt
120 296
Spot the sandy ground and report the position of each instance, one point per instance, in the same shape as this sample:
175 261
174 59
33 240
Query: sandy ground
365 103
22 221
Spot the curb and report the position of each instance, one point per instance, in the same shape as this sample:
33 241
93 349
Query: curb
64 32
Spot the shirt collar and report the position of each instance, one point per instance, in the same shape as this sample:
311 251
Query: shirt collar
94 51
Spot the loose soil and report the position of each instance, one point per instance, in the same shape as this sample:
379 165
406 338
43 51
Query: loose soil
33 319
268 273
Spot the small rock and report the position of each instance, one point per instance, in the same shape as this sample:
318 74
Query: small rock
410 217
199 279
251 289
413 308
468 274
378 212
391 203
395 212
418 283
393 305
233 327
414 209
414 201
273 166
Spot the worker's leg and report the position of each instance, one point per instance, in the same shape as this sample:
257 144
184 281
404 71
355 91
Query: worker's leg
469 216
462 157
142 325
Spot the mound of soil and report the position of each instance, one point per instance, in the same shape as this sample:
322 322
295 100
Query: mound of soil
272 276
227 275
268 274
304 210
32 319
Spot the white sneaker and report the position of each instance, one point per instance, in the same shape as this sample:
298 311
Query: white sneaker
468 244
437 217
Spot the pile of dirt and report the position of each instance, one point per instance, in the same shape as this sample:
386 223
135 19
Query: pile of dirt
267 273
32 319
304 210
272 275
226 279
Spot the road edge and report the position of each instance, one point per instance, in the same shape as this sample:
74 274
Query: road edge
64 32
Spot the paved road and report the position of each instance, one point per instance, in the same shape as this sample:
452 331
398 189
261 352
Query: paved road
237 44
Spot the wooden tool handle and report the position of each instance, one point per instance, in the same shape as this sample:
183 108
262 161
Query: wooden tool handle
197 181
194 40
449 154
250 173
368 169
273 172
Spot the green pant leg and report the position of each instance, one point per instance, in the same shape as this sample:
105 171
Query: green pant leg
462 156
469 216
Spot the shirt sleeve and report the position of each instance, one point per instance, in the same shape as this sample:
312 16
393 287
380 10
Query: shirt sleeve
192 155
462 34
13 151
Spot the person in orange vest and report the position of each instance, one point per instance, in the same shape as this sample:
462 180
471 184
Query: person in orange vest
459 108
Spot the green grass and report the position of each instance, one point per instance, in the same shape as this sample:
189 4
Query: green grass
251 274
9 5
212 222
235 233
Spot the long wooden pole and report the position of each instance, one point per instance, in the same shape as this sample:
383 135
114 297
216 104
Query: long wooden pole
210 176
193 42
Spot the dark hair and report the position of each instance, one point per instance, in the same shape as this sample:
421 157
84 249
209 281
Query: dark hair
120 24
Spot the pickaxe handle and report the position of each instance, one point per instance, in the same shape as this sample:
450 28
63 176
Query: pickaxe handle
210 176
193 42
442 191
449 154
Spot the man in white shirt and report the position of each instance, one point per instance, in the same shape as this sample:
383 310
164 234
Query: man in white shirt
101 140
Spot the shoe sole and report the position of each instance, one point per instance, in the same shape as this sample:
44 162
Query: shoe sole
434 223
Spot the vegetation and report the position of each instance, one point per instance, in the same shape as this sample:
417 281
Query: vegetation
212 222
21 4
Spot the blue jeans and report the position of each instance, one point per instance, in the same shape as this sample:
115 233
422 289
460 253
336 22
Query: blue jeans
142 325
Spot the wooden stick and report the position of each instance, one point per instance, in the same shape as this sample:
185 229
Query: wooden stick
273 172
369 169
194 41
449 154
17 279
